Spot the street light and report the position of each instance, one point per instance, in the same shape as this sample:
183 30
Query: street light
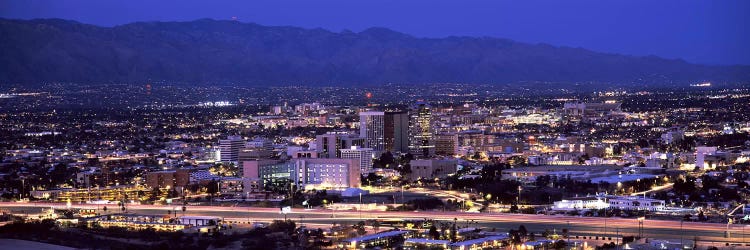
568 234
640 226
682 245
605 221
518 198
728 234
360 206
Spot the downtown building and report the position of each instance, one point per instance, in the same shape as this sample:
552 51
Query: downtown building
396 131
372 128
329 145
421 131
229 149
363 155
303 173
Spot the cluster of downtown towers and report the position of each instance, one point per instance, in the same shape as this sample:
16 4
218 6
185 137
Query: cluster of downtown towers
399 131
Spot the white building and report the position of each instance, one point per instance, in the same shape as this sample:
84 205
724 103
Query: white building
372 128
363 155
636 203
700 155
610 202
324 173
582 203
229 149
672 136
308 173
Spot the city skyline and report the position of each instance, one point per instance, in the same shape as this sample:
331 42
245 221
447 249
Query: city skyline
570 125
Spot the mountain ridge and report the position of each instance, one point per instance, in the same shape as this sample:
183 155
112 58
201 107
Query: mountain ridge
207 50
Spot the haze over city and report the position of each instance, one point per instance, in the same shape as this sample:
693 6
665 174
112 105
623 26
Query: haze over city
374 124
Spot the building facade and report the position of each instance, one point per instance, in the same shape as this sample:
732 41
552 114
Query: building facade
372 128
363 155
229 149
396 131
446 144
304 173
432 168
421 133
329 145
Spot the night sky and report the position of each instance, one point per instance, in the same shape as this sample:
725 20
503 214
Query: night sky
708 31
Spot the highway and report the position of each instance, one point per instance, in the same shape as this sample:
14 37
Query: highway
578 226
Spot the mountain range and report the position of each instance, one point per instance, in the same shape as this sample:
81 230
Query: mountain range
213 51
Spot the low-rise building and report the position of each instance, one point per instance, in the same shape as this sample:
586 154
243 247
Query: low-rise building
307 173
384 239
582 203
432 168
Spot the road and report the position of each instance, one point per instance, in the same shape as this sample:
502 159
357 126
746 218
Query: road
578 226
654 189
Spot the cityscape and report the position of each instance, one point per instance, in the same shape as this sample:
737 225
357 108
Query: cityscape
658 161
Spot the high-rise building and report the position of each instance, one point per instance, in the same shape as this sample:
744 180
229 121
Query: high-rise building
372 128
229 149
396 131
364 155
421 134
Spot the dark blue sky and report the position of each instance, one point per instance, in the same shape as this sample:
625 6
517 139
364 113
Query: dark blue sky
707 31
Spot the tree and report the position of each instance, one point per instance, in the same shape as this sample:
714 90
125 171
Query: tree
522 230
155 194
212 187
282 226
514 208
376 225
426 203
476 156
560 244
434 234
387 159
628 239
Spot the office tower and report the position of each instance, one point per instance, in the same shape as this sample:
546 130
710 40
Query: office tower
421 136
229 149
371 127
363 155
396 131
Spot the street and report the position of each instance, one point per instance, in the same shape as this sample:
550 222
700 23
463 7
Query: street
578 226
